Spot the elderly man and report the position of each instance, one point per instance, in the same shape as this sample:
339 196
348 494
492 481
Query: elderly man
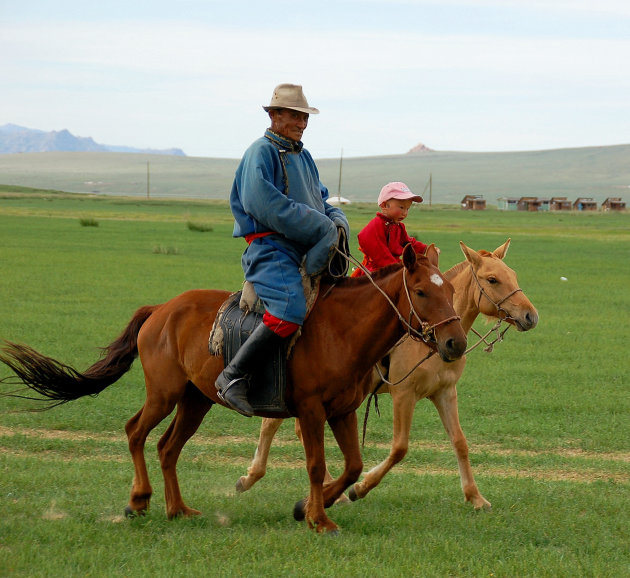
279 206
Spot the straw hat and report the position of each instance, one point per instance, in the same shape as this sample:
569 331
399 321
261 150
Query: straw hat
290 96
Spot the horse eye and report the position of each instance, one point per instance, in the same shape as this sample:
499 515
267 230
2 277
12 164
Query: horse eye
492 280
420 293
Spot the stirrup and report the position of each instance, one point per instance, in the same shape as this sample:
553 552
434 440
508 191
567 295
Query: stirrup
221 395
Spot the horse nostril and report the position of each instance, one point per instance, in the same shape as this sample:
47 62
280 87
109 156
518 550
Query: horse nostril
532 319
456 346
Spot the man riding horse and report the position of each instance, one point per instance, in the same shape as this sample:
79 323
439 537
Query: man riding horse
280 208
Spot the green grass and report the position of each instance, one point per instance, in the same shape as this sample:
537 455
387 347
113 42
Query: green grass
547 414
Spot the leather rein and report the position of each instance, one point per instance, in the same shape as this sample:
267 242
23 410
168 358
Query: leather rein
426 332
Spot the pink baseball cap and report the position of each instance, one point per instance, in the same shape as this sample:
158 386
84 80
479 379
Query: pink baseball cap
397 190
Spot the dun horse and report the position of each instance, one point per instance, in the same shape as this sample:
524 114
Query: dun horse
329 372
483 284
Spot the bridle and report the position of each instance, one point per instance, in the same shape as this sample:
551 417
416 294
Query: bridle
502 315
426 331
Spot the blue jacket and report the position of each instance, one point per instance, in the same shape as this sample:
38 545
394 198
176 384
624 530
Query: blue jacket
301 217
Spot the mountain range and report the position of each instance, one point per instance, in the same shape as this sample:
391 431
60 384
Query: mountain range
19 139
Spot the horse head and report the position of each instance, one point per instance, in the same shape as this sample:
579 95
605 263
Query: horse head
498 292
430 302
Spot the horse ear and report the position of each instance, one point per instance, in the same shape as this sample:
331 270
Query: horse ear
501 251
472 256
432 254
409 257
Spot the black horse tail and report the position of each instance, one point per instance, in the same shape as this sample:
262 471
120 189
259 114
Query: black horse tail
61 383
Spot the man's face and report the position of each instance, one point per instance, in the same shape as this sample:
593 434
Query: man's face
288 123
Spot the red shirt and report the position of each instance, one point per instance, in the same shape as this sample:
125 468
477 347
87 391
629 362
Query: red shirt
382 242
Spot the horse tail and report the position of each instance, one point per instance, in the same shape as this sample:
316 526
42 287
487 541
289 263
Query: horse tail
62 383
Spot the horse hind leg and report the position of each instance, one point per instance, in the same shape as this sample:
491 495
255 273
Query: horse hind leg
258 468
191 409
137 429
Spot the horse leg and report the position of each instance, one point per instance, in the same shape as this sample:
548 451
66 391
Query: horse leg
445 402
258 467
137 429
191 409
312 508
345 431
343 499
404 404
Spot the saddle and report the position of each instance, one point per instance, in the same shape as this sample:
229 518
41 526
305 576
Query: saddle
236 319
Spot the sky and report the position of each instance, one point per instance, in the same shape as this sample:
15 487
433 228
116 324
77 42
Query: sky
456 75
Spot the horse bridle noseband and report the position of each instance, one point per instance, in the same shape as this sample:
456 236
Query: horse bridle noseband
484 293
495 328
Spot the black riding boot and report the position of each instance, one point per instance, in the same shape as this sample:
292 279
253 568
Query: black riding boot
233 381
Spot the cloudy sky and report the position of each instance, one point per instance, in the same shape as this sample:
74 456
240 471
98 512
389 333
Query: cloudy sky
468 75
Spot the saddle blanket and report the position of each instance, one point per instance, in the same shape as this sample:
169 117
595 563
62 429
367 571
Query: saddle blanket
231 329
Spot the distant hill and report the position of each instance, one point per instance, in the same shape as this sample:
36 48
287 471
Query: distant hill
19 139
441 177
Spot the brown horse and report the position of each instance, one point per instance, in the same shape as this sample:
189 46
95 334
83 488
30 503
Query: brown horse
329 372
483 284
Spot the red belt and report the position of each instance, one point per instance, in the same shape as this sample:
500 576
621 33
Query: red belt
253 236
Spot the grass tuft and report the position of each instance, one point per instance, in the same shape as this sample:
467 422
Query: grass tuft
164 250
88 222
200 227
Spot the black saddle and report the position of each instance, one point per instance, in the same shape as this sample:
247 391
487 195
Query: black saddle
267 386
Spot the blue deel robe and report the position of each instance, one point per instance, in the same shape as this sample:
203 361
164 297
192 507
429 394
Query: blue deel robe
303 224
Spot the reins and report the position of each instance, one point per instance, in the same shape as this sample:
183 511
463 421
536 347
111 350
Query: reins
482 339
495 328
426 333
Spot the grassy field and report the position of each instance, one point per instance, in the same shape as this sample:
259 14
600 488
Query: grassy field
547 415
597 172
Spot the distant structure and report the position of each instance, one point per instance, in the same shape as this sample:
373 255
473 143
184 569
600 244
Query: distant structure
338 200
419 148
559 204
585 204
614 204
507 203
529 204
473 203
534 204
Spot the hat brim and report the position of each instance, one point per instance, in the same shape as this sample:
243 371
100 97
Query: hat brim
402 197
307 110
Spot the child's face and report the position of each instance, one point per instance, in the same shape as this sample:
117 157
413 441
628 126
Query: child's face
396 209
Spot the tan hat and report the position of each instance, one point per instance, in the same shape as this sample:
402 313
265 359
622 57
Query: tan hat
290 96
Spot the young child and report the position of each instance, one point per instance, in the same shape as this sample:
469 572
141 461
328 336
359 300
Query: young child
383 239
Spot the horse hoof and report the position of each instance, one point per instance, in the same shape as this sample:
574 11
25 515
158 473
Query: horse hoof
352 494
131 513
239 486
298 510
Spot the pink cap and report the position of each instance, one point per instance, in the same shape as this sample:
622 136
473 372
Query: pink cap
397 190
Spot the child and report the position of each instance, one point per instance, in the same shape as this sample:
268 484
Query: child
383 239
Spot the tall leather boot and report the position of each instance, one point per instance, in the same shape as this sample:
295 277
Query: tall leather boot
233 381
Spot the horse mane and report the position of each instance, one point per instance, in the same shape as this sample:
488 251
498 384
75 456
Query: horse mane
378 274
454 270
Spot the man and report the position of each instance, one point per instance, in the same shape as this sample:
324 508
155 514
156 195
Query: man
279 206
